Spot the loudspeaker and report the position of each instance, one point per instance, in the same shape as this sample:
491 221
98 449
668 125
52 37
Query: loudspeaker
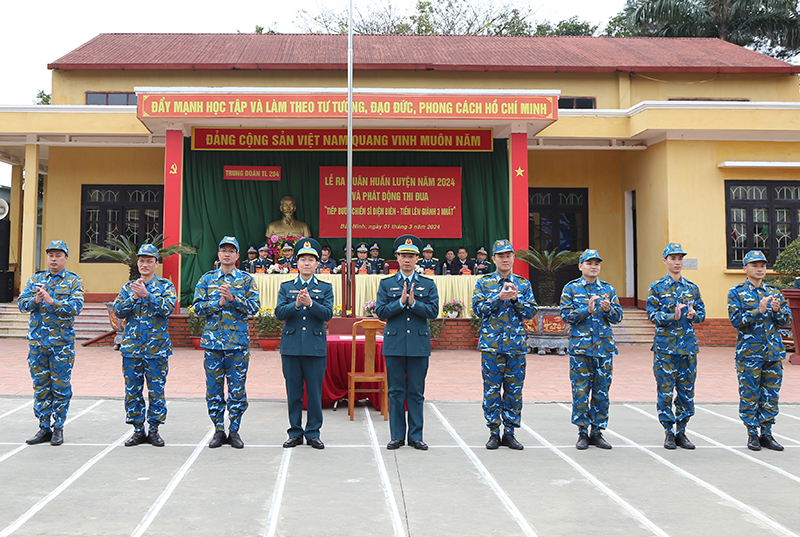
6 286
5 239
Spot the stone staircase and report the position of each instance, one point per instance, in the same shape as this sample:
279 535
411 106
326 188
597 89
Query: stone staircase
92 321
634 329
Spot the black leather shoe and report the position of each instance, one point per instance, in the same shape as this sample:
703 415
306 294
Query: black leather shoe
768 442
218 439
494 442
42 435
316 443
511 441
596 439
683 442
753 442
669 442
418 444
154 438
58 437
235 440
395 444
138 437
293 441
583 441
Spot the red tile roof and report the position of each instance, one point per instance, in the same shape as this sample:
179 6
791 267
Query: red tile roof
393 52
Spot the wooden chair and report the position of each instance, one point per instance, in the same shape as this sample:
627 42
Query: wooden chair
370 327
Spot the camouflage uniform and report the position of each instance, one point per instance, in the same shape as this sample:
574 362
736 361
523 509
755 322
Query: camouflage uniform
502 343
675 348
51 342
591 348
146 348
226 340
759 351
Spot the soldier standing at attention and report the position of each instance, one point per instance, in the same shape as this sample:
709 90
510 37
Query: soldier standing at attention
428 262
674 306
375 260
53 298
503 301
756 310
406 300
225 297
146 304
590 306
305 304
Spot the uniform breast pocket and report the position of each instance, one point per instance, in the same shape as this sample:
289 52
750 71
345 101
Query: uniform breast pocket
288 331
394 295
390 332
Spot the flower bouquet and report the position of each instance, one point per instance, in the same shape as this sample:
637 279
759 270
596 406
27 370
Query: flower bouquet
277 269
369 308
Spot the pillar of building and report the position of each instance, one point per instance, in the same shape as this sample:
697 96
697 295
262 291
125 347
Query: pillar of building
518 182
30 207
173 205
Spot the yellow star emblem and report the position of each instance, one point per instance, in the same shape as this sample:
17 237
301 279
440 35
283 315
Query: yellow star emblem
520 171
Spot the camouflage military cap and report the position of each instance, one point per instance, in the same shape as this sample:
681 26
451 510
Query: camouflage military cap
590 254
307 246
407 244
230 240
148 249
502 246
752 256
673 248
58 245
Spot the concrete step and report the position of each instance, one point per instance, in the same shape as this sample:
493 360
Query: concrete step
91 322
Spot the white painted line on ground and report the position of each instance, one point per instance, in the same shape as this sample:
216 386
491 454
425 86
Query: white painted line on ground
20 407
728 418
85 411
171 486
638 515
14 526
388 493
277 494
13 452
490 480
742 454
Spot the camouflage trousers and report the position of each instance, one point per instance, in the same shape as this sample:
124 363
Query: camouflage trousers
590 374
759 385
136 370
51 371
230 366
675 372
506 371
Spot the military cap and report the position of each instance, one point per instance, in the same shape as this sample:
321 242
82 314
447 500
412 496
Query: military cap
287 245
407 244
752 256
673 248
230 240
374 246
307 246
263 247
58 245
502 246
148 249
428 248
590 254
252 249
482 250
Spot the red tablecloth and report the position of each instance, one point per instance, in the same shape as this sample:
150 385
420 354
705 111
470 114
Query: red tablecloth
334 386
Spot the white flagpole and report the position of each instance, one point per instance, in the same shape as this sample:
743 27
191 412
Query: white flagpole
349 245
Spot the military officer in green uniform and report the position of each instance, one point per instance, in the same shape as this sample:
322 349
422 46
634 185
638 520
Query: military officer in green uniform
406 300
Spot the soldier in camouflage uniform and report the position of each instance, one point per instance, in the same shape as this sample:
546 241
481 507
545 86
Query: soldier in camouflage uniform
146 304
590 306
756 310
225 297
53 298
503 301
674 306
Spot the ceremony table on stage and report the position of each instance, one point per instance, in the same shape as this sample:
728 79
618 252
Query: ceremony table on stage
449 287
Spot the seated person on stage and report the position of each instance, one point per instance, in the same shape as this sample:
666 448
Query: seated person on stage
361 263
374 259
288 260
449 257
248 265
263 262
344 255
326 261
482 266
462 264
428 262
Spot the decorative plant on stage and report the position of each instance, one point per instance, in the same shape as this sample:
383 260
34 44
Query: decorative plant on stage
369 308
267 325
122 250
547 262
435 327
337 310
475 323
453 306
197 323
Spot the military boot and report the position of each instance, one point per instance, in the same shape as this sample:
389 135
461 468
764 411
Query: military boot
44 434
138 437
753 442
494 441
768 442
682 441
58 437
669 441
583 441
155 438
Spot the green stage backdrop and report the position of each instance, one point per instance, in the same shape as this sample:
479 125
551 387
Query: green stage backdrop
214 208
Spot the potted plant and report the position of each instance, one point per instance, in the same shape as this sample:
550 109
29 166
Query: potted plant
453 308
122 250
548 263
435 327
197 324
475 324
369 308
788 265
268 328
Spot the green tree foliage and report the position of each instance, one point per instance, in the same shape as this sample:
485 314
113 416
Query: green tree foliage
547 262
768 26
571 26
123 250
42 98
